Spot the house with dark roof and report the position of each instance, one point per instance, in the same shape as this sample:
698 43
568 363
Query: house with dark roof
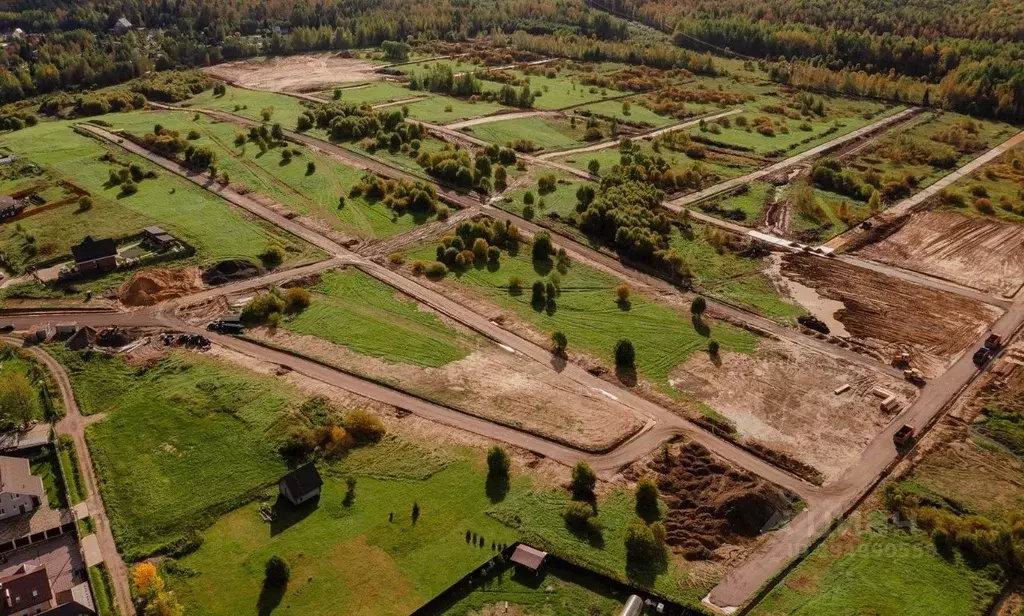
156 238
301 485
20 490
95 255
26 591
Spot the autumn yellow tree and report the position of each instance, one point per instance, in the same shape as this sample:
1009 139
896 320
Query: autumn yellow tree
148 582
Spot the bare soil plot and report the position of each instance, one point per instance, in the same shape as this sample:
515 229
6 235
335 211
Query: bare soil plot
981 253
890 315
714 510
301 73
494 384
782 395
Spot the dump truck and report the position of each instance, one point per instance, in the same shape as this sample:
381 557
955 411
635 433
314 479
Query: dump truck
904 435
993 343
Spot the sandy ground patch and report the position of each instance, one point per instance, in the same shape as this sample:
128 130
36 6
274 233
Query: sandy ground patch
783 396
889 314
494 384
983 254
159 285
301 73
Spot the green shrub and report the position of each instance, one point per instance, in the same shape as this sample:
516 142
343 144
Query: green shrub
584 480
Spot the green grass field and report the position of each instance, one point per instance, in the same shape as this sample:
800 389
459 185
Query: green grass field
538 516
557 591
354 310
438 109
589 315
208 223
458 65
348 559
544 133
564 90
44 464
881 570
638 114
103 590
250 104
720 167
182 443
290 184
561 201
843 114
371 93
69 468
728 276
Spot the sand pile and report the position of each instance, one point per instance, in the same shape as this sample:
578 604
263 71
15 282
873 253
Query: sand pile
158 285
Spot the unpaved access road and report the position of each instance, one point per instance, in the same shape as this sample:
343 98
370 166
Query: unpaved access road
611 143
912 202
838 499
443 305
74 424
741 584
678 204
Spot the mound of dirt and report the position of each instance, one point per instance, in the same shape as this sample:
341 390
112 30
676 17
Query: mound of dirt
232 270
711 504
158 285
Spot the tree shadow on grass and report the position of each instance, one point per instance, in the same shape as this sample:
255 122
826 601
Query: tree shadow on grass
700 326
644 571
287 515
624 304
543 266
497 487
270 598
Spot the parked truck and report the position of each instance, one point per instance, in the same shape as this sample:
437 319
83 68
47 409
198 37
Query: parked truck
993 343
904 435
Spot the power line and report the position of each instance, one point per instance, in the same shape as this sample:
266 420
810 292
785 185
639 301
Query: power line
724 50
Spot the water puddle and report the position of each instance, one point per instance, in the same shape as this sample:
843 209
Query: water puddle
821 307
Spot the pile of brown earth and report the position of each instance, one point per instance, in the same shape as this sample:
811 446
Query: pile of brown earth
158 285
232 270
711 504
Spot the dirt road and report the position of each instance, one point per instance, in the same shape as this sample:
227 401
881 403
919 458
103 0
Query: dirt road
910 203
74 424
518 115
838 499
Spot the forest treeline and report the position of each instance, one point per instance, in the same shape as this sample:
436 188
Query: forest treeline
916 52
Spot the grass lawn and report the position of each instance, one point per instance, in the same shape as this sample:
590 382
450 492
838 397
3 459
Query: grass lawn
557 591
538 517
718 166
882 570
103 590
638 114
183 442
439 109
544 133
348 559
45 465
587 312
68 458
559 92
371 93
752 203
423 67
561 201
731 277
208 223
250 104
290 184
844 115
355 310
